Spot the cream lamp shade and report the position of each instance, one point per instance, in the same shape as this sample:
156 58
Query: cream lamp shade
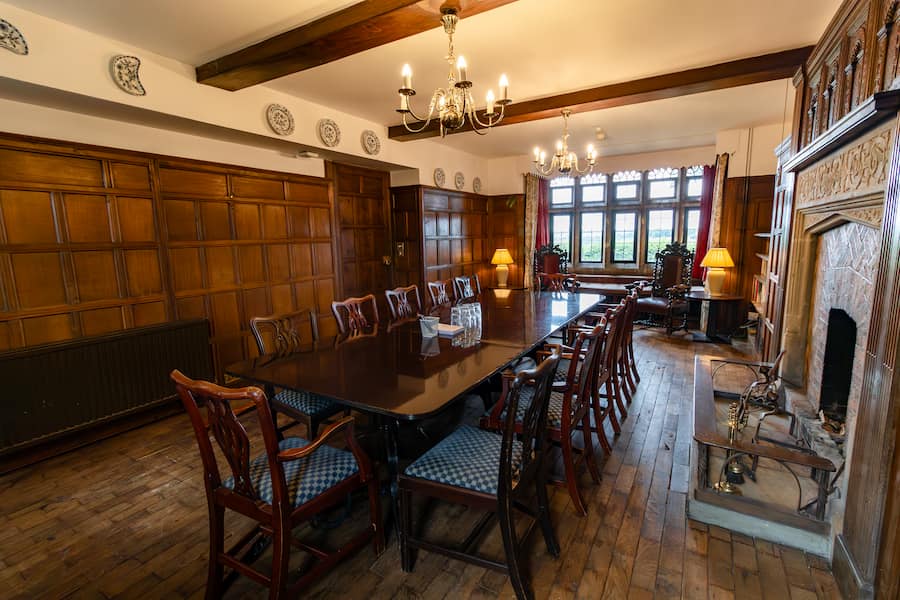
501 258
716 261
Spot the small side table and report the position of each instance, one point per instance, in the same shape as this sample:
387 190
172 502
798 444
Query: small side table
723 317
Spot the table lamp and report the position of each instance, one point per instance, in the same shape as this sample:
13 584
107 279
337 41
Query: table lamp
502 258
716 261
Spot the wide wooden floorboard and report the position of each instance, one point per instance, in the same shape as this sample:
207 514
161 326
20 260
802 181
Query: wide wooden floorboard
126 518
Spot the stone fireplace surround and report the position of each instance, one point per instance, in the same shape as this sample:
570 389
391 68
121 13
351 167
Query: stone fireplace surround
845 253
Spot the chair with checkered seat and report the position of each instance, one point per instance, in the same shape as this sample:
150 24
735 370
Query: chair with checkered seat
569 411
284 334
291 482
501 473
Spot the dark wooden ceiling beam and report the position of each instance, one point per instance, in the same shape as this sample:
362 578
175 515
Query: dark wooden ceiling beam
355 29
746 71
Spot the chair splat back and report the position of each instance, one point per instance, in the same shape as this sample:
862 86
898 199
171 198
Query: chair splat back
440 294
351 316
672 267
464 289
532 427
223 424
404 302
280 334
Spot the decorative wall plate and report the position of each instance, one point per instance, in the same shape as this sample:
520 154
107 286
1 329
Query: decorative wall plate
440 178
370 142
476 185
12 39
459 180
329 132
280 119
124 71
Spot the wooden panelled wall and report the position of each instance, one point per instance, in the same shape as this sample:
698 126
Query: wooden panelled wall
95 240
746 211
447 233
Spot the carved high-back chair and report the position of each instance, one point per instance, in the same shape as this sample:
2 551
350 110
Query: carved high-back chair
282 335
440 293
665 295
500 473
404 302
557 282
464 289
356 316
289 483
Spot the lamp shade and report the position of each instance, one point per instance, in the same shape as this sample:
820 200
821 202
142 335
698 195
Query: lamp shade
502 257
717 258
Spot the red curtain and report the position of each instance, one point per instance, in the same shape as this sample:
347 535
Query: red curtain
542 236
706 199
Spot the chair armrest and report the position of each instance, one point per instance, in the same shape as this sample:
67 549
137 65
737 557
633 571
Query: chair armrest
677 292
295 453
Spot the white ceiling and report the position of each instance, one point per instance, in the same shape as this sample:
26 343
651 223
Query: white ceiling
544 47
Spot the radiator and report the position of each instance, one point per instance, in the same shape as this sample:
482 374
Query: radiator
55 390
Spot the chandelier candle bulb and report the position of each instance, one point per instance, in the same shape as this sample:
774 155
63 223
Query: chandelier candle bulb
490 102
504 87
461 68
407 77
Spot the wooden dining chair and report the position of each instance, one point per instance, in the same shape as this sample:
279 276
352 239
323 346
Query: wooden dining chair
281 335
288 484
356 315
503 474
570 409
464 290
440 293
404 302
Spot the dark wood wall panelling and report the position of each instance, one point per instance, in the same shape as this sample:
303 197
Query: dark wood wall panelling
507 230
858 56
456 235
364 223
447 233
746 211
97 240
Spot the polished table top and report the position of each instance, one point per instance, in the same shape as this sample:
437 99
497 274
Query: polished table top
394 372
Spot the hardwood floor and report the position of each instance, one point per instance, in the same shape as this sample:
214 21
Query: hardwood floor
126 518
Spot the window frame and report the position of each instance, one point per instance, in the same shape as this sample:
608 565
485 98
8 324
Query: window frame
635 236
603 216
672 230
641 205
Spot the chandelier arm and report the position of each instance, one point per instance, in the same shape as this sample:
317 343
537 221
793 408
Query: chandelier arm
413 129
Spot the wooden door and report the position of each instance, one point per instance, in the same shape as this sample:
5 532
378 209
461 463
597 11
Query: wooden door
365 235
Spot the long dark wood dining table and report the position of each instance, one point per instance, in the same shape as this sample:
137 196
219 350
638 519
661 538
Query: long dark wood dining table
394 373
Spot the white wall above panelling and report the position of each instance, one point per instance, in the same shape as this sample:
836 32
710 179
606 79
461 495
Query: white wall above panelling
66 65
752 150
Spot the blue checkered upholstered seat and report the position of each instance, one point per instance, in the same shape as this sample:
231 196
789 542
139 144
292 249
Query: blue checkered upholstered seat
554 409
310 404
306 477
467 458
562 371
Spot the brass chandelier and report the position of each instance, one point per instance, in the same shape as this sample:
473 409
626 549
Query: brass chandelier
454 104
564 161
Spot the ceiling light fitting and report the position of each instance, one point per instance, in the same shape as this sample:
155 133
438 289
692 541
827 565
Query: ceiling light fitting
454 104
564 161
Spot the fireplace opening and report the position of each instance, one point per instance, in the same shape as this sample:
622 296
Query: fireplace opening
837 368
